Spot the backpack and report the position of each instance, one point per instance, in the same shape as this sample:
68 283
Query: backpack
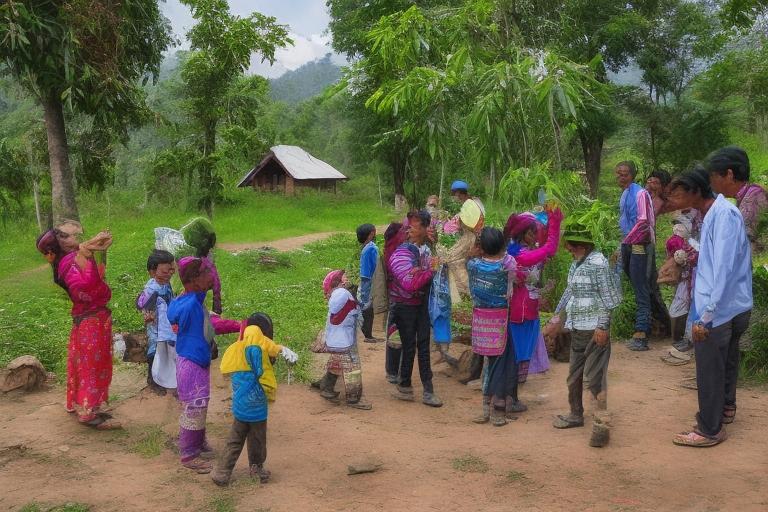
379 291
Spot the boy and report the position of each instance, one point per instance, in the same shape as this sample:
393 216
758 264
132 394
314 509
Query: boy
592 292
253 385
369 256
153 303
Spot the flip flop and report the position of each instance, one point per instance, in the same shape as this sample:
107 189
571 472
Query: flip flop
563 422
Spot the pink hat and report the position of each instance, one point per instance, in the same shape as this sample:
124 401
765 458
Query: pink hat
518 223
328 282
184 262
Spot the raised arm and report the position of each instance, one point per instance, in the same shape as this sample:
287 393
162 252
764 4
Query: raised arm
536 256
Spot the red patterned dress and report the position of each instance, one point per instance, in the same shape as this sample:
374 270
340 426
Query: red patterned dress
89 353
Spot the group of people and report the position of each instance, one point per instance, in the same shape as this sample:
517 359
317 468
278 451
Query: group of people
709 259
415 281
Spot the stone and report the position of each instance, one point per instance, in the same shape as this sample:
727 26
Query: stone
25 373
364 466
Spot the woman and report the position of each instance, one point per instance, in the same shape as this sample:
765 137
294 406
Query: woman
89 353
490 273
524 325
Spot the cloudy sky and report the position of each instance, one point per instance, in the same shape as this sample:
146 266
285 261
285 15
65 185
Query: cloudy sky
307 21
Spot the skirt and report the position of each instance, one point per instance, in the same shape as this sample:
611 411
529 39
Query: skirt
89 364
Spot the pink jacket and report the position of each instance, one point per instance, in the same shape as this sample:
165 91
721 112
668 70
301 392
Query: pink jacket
523 307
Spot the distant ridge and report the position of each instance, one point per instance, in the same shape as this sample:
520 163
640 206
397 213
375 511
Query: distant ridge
305 82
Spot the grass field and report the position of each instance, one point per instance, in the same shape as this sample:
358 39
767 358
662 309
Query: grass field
34 313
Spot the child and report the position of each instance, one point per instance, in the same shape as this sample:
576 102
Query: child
153 303
194 342
253 385
593 290
369 257
341 343
489 277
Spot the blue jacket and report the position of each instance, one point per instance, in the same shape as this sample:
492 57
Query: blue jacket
249 403
188 314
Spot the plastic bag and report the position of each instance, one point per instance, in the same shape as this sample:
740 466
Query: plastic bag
171 240
118 346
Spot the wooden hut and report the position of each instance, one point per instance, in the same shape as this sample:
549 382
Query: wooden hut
288 168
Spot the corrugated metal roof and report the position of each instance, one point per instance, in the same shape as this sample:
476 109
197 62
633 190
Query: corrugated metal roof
298 163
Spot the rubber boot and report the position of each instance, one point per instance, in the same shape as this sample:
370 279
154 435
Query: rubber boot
498 418
327 391
151 384
486 415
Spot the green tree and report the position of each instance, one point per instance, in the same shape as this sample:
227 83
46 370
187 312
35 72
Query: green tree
87 55
222 45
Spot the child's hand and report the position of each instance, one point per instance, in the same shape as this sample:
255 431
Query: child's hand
149 316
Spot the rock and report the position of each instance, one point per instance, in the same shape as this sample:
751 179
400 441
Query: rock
24 372
135 347
601 431
364 466
63 448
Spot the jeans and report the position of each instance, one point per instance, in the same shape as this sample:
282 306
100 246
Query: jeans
717 369
413 325
636 268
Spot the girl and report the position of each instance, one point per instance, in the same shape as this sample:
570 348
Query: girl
524 324
341 343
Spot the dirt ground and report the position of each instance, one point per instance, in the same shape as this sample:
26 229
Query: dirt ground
286 244
47 458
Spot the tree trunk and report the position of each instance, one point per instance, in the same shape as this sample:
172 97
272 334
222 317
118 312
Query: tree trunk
63 202
398 178
592 148
208 187
36 195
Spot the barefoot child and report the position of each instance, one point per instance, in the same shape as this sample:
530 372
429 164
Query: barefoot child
489 286
341 343
153 303
591 293
249 361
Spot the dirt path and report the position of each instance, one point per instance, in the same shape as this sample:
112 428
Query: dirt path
285 244
46 457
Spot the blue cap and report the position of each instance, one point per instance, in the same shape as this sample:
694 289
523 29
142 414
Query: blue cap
459 185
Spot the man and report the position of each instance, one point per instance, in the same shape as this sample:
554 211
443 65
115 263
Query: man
469 221
656 184
729 175
592 292
722 303
637 222
411 276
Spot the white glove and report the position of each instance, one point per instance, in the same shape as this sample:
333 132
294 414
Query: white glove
289 355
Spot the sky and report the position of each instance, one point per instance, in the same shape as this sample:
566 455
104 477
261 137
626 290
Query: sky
307 21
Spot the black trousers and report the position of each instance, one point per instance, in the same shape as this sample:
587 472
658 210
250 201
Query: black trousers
367 326
717 369
255 435
413 325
